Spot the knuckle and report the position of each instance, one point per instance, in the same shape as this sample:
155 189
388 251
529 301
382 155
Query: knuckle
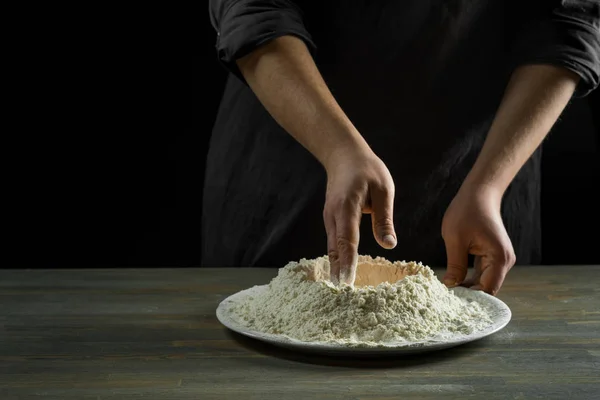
351 200
511 258
445 231
344 244
444 234
450 237
388 188
455 266
381 187
384 222
333 256
507 257
500 259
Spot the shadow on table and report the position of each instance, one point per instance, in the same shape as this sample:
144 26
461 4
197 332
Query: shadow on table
362 361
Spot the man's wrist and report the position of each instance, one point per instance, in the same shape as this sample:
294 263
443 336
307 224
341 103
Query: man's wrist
474 186
347 144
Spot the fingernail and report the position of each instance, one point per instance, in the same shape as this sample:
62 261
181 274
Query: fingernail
450 282
389 241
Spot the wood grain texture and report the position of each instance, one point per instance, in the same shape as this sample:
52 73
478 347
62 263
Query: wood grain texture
153 334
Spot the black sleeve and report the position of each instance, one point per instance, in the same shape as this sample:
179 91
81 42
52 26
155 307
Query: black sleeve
565 33
243 25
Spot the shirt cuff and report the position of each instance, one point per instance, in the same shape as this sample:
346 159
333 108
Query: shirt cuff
246 25
570 44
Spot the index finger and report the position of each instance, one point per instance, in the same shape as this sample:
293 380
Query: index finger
347 224
457 256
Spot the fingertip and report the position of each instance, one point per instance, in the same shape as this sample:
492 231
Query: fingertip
389 241
348 265
334 269
347 276
492 291
334 280
492 279
455 275
450 282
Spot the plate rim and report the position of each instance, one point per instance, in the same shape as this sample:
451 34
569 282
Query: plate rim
395 347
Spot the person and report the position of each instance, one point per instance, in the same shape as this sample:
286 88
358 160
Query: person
426 116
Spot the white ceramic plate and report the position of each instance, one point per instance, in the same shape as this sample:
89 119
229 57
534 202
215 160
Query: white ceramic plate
499 313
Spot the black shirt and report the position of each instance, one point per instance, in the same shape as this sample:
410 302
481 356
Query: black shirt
421 80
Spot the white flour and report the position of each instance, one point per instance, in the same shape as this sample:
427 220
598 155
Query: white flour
390 302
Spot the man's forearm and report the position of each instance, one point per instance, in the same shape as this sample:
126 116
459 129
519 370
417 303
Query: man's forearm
534 99
287 82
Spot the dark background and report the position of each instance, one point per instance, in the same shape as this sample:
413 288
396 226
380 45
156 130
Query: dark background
124 189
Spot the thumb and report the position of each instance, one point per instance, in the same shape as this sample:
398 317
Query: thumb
382 217
458 263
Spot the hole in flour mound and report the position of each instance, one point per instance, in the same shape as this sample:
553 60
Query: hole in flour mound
370 271
372 274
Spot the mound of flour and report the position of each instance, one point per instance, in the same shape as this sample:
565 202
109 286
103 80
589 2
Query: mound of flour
389 302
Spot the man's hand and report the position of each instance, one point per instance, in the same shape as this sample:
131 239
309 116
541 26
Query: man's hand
286 80
534 98
473 225
357 182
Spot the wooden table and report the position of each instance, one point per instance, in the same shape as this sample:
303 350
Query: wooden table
152 334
